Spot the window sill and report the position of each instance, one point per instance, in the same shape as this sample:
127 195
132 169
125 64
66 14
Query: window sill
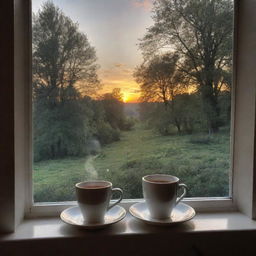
53 234
54 228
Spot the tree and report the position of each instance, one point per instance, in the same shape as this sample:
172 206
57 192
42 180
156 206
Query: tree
188 113
158 79
114 108
200 32
62 56
64 70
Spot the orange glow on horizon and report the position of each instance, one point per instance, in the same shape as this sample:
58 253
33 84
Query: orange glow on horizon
128 98
130 90
125 98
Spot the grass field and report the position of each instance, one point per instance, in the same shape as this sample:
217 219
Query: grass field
200 161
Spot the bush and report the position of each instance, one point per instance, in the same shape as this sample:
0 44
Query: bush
203 179
204 182
106 134
128 124
59 131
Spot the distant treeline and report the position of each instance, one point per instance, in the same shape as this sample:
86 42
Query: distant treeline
184 114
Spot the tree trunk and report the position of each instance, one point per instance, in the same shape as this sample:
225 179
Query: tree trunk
177 125
211 109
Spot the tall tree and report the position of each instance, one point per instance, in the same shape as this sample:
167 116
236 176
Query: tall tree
200 32
64 69
63 59
158 79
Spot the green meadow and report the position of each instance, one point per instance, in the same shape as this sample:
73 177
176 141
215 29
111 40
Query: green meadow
201 161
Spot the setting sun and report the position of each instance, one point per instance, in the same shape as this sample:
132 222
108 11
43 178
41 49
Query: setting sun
126 97
130 97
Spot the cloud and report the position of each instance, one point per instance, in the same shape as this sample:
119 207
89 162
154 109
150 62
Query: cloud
119 65
122 68
117 71
127 71
120 75
145 4
136 91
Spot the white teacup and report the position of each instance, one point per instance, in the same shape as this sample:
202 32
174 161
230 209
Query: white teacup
94 199
160 193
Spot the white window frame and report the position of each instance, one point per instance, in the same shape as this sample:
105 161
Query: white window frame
200 204
242 181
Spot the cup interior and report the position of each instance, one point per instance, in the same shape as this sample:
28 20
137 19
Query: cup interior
160 179
93 184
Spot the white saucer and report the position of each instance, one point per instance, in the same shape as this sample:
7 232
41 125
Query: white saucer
181 213
73 216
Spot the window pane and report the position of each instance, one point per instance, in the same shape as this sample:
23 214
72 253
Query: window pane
126 88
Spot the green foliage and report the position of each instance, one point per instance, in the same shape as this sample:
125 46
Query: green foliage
62 55
59 131
67 129
64 70
61 123
203 167
114 111
187 113
158 78
225 107
67 123
183 115
106 134
128 123
163 124
200 34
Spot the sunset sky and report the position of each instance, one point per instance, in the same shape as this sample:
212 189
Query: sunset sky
113 27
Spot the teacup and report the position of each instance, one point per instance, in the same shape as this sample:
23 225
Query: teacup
94 199
160 193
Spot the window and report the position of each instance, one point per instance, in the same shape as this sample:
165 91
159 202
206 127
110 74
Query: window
244 120
127 88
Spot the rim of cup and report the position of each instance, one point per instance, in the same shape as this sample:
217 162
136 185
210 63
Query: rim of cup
175 179
103 183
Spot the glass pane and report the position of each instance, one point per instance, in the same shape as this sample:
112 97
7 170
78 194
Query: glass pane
125 88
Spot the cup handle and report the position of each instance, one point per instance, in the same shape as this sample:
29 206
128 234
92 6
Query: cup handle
119 200
184 192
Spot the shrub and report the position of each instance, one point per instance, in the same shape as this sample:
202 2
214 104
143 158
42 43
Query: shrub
128 124
106 134
204 179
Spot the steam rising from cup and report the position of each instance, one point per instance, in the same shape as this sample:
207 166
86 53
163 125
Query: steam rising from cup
93 148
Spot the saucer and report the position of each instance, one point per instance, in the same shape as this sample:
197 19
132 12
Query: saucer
181 213
73 216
